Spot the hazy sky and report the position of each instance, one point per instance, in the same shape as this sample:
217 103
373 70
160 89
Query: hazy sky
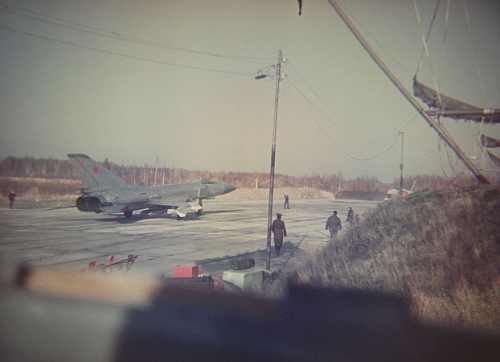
133 81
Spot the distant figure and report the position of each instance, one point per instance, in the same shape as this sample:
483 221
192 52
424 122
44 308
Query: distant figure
287 202
279 231
12 196
333 224
350 216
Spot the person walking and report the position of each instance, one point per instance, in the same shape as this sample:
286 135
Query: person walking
333 224
279 230
12 196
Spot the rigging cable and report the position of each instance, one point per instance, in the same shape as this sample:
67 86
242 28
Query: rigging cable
481 88
426 49
424 41
478 70
445 33
375 40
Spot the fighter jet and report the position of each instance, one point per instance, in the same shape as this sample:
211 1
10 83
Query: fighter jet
104 192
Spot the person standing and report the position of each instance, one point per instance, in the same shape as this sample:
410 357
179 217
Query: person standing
12 196
333 224
279 230
287 202
350 216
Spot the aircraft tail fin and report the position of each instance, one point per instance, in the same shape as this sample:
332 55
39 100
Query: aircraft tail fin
94 174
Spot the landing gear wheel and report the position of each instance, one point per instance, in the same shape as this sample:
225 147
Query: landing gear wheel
127 213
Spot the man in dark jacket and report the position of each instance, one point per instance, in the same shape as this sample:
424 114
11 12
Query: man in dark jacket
333 224
12 196
279 230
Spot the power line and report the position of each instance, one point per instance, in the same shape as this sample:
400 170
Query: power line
313 108
322 101
116 36
345 151
122 55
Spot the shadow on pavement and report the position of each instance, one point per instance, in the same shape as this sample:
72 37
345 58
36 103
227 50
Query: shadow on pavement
217 266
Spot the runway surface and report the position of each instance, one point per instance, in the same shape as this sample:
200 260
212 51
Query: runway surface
226 231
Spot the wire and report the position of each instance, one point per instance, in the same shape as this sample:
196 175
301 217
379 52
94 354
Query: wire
478 70
299 89
368 34
445 34
123 55
321 99
344 150
116 36
423 150
313 108
424 51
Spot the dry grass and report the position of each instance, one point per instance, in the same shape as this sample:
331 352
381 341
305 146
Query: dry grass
39 188
441 249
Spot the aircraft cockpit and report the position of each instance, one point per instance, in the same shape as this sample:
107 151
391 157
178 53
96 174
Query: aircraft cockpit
204 181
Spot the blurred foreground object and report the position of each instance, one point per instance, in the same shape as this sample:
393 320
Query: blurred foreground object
56 315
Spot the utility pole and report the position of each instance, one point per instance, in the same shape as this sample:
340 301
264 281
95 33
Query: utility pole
448 139
273 161
261 75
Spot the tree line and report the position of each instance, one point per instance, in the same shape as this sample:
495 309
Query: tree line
147 175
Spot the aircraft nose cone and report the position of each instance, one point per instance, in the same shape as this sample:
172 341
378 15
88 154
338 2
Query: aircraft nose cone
228 188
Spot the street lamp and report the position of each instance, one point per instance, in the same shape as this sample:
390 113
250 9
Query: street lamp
260 75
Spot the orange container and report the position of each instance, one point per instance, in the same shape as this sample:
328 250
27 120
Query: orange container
185 271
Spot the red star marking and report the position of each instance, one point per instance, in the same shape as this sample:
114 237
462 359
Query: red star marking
95 170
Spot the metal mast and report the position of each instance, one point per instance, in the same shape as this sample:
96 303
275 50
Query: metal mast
448 139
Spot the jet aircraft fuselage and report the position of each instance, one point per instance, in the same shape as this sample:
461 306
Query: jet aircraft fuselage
103 191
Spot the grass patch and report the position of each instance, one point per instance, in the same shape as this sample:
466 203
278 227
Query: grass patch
440 249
